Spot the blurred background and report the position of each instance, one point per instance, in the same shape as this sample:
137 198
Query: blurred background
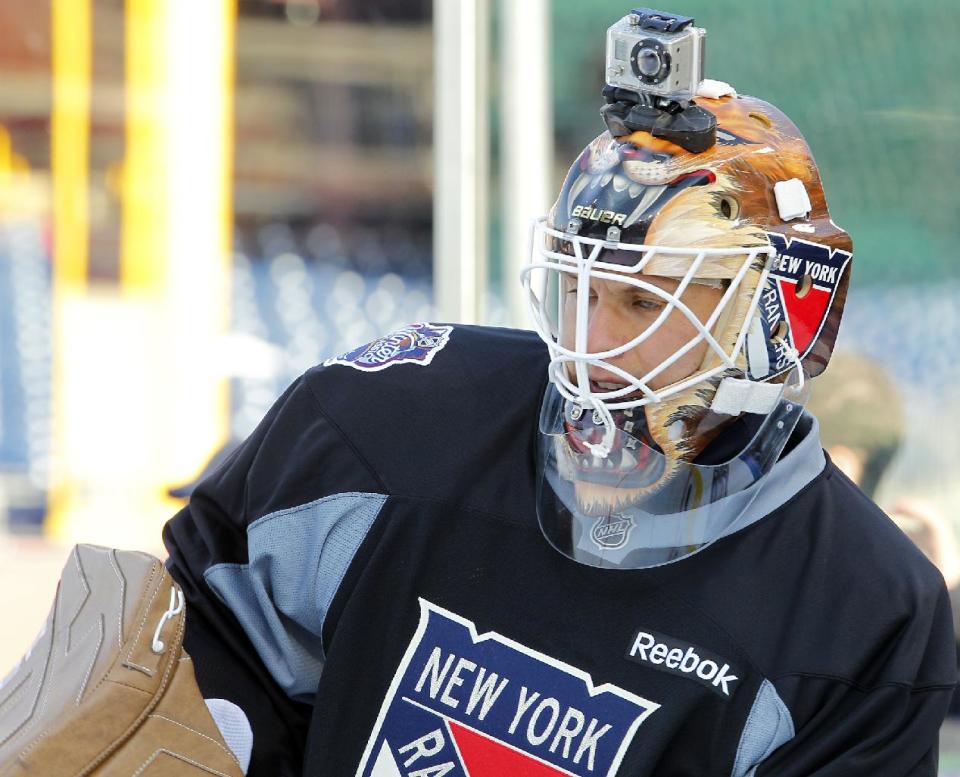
198 201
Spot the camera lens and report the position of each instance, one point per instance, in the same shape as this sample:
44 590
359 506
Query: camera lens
649 62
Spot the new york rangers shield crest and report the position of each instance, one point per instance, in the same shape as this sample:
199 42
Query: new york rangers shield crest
413 344
797 299
464 704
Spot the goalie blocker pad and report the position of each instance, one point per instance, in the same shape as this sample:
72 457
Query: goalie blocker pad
107 688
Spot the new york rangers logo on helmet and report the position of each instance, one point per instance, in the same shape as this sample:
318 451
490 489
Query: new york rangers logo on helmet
413 344
799 294
469 705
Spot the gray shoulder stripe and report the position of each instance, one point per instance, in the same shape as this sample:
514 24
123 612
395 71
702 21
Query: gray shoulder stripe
297 560
769 725
789 476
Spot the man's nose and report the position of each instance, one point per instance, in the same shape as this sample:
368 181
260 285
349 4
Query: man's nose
604 328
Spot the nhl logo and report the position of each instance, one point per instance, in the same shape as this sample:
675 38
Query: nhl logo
611 532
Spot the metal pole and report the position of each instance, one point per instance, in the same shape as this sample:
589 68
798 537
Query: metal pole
461 158
526 137
72 50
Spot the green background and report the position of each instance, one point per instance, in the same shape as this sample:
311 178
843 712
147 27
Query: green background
872 85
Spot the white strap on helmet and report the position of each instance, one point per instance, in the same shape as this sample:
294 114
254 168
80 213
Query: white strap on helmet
737 395
758 358
715 89
793 202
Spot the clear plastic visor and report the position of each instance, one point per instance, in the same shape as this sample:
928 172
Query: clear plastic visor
635 507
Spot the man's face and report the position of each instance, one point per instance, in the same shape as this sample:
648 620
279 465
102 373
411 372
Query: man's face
618 312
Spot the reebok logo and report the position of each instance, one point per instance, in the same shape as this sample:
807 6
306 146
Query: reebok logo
681 658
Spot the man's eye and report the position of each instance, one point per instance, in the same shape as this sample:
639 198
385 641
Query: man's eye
645 303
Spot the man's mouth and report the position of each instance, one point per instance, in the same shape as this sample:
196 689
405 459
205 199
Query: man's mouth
606 387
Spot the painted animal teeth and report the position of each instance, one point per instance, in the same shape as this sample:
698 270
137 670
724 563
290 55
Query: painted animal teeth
649 197
620 182
636 189
578 186
605 179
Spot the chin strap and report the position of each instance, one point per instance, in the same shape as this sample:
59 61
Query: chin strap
740 395
602 449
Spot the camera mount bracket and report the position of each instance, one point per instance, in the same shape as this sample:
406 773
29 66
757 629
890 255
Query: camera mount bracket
649 19
680 121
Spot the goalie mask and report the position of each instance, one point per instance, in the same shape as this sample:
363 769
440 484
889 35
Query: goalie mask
685 299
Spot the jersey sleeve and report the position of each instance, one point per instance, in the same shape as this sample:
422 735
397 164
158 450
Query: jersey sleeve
884 725
260 552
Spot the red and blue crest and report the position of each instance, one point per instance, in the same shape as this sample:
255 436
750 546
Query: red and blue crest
464 704
798 297
413 344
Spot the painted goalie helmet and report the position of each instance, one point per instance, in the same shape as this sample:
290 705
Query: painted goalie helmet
685 299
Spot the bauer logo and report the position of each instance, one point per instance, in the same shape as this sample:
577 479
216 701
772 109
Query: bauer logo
464 704
681 658
414 344
598 214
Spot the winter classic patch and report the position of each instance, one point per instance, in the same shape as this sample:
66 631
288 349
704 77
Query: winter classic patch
413 344
469 705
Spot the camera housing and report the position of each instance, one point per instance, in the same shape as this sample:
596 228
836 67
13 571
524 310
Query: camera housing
656 53
654 69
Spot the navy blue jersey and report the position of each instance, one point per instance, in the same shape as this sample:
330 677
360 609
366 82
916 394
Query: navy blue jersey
366 578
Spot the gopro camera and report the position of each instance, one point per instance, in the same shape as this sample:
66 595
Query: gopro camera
656 53
654 69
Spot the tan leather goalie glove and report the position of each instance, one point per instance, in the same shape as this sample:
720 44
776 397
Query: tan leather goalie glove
107 689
